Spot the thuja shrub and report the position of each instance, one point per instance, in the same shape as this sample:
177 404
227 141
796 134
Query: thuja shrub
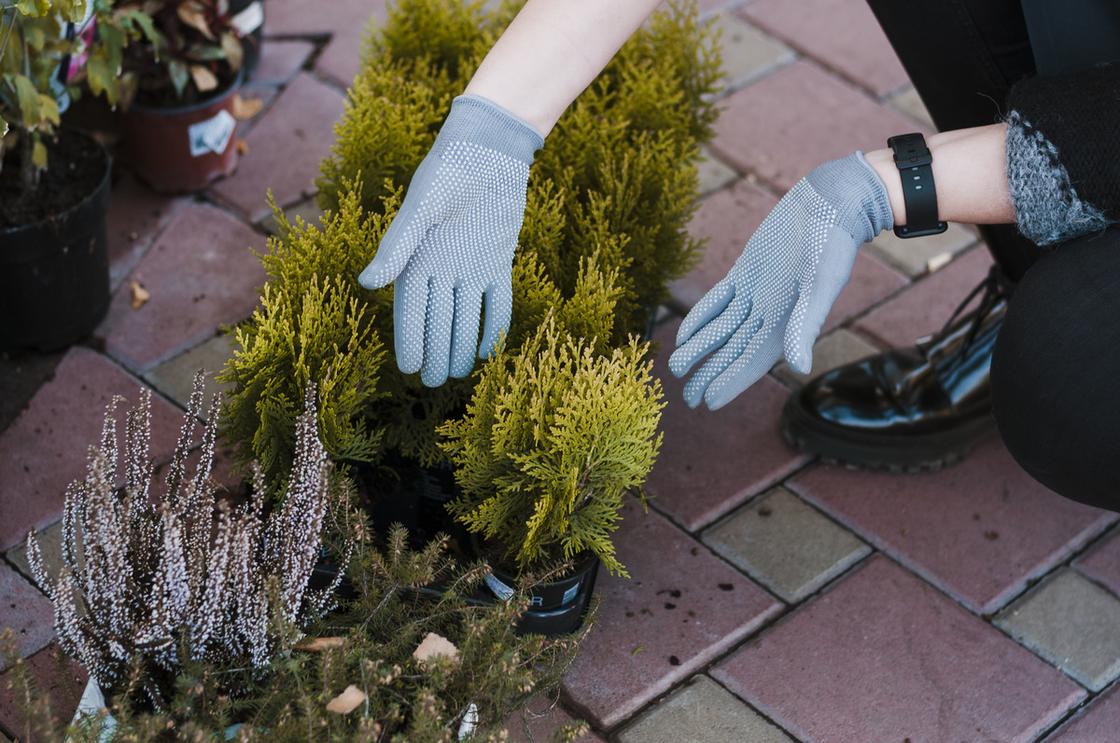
366 654
616 177
553 439
151 582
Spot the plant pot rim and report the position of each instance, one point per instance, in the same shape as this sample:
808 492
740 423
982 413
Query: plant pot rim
581 562
220 96
102 183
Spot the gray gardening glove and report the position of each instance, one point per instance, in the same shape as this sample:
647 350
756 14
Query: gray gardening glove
778 294
451 244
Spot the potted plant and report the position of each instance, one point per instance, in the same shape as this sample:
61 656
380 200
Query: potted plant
554 438
156 579
182 76
54 183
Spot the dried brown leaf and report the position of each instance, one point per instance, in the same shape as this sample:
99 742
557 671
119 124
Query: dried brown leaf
347 701
319 644
435 646
246 108
203 78
193 14
140 295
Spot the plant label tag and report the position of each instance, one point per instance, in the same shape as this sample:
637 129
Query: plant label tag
248 20
211 135
570 594
499 589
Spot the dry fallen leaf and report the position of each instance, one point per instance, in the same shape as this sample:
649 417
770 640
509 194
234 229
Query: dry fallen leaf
347 701
203 78
434 646
140 295
242 146
319 644
246 108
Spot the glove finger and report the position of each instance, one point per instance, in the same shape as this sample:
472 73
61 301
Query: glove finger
710 337
760 354
709 306
397 245
437 333
697 385
499 308
464 336
410 306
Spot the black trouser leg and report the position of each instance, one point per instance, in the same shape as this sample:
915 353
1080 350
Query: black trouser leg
963 56
1056 371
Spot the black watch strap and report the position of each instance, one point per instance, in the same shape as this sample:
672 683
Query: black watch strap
918 191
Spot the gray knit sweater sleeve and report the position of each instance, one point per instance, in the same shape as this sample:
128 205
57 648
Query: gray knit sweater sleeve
1063 163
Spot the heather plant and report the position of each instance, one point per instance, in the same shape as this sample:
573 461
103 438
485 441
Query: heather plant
553 439
152 581
360 673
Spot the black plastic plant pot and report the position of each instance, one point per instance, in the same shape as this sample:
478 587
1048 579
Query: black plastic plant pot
54 274
416 498
561 621
550 595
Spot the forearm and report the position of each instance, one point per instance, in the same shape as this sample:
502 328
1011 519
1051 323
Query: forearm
970 171
551 51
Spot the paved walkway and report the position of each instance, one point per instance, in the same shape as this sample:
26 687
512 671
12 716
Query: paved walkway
773 598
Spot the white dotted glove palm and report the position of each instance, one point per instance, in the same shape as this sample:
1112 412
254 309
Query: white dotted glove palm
450 247
776 297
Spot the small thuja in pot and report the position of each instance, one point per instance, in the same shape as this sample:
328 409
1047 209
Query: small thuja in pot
150 583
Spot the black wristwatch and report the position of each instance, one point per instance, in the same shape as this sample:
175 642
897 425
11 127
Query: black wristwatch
918 191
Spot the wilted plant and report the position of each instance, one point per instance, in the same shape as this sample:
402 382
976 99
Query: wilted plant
553 439
151 582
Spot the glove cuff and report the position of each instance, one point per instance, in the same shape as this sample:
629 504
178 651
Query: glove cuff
852 186
482 122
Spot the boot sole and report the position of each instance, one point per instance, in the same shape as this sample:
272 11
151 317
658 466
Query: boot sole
866 451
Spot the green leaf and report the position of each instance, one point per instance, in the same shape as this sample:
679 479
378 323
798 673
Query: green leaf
34 8
3 127
144 22
27 98
101 78
206 53
180 76
48 108
39 155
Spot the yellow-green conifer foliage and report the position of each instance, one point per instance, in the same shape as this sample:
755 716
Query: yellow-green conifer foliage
553 439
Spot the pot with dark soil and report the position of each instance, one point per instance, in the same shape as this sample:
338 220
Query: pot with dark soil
54 258
178 129
54 184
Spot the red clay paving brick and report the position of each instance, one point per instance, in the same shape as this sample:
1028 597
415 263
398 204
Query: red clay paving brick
787 123
281 60
885 657
1102 563
871 281
301 18
25 611
980 530
682 607
842 34
726 219
55 676
925 307
539 720
711 461
1098 722
201 274
45 448
136 217
284 148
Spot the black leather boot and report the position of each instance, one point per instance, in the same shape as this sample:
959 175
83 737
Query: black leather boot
907 410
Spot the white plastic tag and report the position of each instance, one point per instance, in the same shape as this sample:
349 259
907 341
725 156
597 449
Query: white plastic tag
211 135
250 19
499 589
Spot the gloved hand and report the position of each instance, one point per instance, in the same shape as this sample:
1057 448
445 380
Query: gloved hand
452 242
778 294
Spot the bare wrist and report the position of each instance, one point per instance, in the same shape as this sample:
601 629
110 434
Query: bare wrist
882 162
